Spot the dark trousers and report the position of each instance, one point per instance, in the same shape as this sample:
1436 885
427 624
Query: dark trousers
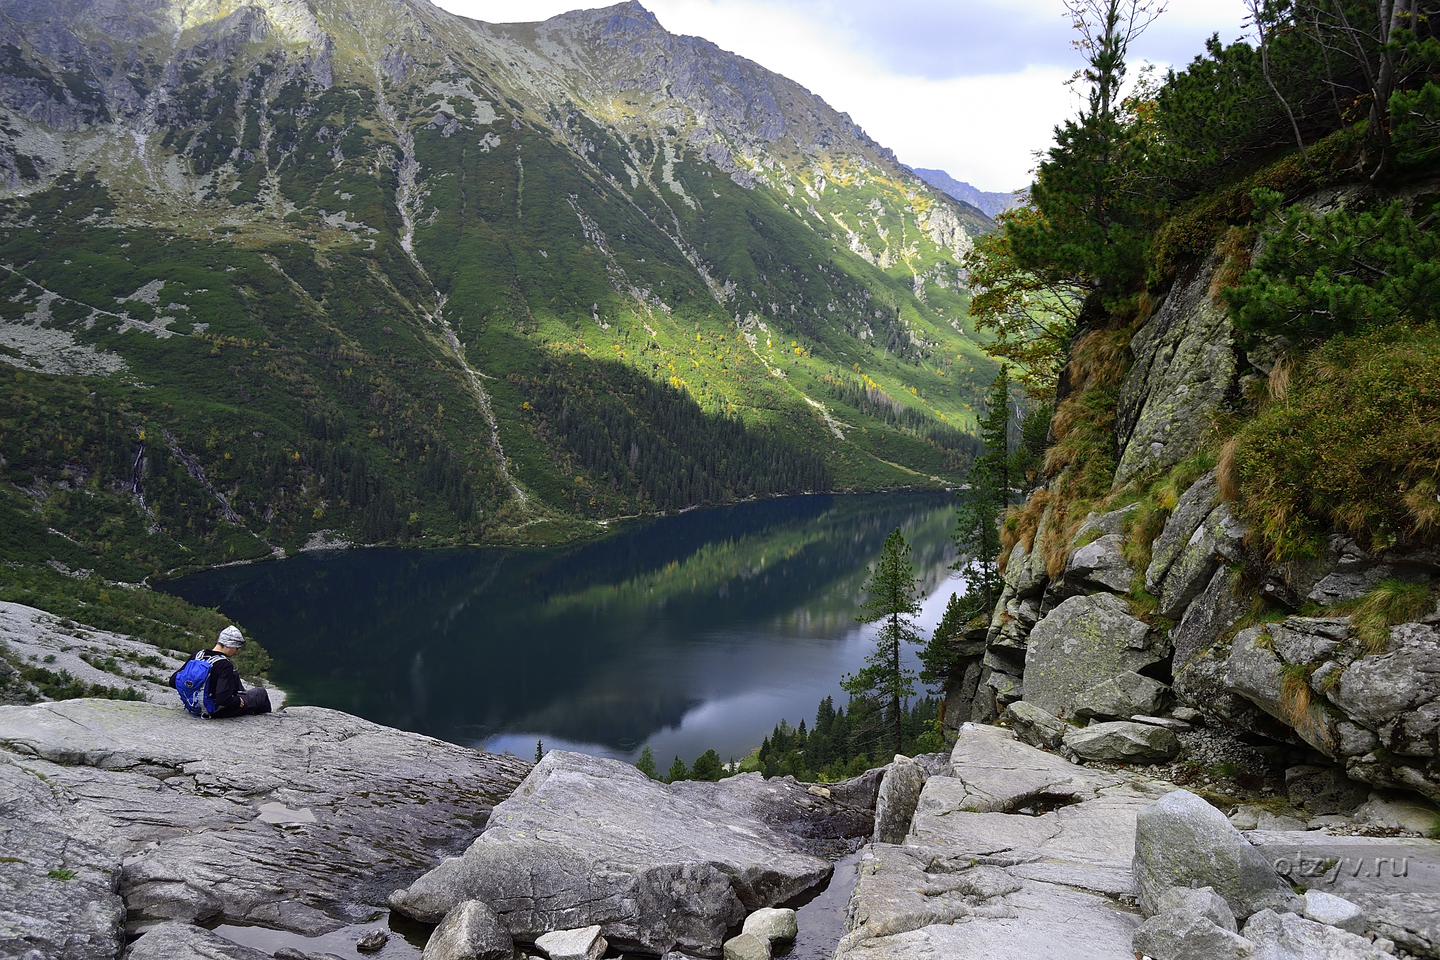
253 700
256 700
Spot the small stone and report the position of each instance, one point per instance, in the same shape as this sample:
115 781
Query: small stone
372 940
1333 911
1188 715
1179 935
747 946
1201 901
1383 943
1037 727
1408 815
582 944
1123 742
1286 936
1169 723
773 924
1278 823
470 931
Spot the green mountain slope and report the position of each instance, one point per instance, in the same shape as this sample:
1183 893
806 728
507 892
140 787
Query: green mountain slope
281 268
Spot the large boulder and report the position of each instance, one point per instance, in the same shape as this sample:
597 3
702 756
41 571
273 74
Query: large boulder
1209 617
1121 696
1100 565
585 840
1017 855
923 901
1200 901
899 792
290 820
992 772
1122 741
1255 671
1182 841
173 940
1082 642
1397 693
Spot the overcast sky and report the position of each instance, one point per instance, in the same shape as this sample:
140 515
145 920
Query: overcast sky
973 87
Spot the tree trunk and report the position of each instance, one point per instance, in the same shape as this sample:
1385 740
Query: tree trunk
895 690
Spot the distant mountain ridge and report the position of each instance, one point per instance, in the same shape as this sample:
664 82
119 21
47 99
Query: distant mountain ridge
991 204
362 269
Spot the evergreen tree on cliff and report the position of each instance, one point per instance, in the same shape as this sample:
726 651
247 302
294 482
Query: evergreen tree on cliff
977 533
894 599
1094 220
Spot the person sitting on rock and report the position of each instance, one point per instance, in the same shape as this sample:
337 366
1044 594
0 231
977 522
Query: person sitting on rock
210 687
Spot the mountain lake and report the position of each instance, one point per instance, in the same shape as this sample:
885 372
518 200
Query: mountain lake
685 632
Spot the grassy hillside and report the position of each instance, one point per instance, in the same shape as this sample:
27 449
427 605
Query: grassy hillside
275 275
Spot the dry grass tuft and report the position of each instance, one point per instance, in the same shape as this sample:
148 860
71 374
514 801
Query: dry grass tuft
1235 249
1422 501
1392 601
1021 523
1227 471
1278 383
1298 709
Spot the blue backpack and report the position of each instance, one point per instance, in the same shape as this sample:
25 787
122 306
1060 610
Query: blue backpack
192 682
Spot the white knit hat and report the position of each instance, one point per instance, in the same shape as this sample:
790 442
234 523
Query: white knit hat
232 637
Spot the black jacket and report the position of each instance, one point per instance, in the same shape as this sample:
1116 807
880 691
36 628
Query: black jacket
225 685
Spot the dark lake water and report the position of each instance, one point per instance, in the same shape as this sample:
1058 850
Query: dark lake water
688 632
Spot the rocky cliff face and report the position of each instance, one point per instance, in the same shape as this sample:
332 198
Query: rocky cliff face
1122 614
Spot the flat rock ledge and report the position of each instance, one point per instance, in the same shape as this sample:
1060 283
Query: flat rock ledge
1018 854
586 841
302 820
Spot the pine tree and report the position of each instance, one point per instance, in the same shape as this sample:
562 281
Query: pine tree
938 657
893 602
539 750
678 771
707 767
977 523
995 434
646 763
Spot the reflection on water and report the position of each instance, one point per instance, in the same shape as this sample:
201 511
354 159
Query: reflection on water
686 632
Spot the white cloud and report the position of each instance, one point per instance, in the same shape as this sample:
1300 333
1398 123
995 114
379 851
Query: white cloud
974 88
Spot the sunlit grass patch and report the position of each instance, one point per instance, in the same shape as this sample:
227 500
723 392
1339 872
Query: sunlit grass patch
1392 601
1353 442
